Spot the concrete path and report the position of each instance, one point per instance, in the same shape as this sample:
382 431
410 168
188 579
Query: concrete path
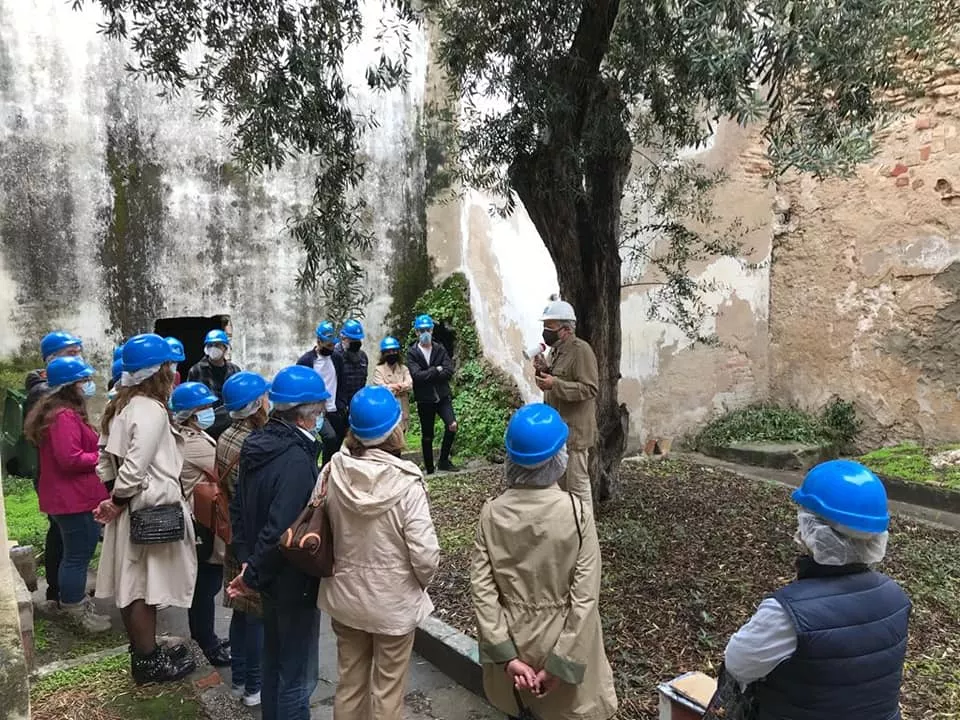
431 695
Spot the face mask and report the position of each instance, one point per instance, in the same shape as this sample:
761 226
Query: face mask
89 388
550 337
214 353
318 425
393 359
326 351
206 418
112 393
425 338
354 346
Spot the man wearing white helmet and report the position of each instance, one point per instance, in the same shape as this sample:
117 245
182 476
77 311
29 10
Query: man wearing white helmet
569 378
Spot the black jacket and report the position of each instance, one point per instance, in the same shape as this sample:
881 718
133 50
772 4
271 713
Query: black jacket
431 382
310 356
277 474
353 378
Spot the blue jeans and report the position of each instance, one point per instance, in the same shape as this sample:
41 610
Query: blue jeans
80 534
202 613
291 660
246 647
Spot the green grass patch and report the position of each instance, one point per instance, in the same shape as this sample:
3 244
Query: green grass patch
913 463
104 690
836 425
25 523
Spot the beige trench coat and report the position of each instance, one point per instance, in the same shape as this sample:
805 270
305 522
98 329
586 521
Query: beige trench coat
200 465
574 393
150 456
535 588
398 374
385 547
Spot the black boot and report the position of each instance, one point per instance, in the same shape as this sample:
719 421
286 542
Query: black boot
426 446
159 667
445 449
176 652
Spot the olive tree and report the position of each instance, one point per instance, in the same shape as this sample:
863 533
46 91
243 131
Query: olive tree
559 105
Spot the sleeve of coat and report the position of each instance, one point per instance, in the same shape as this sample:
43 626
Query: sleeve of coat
146 431
420 372
496 645
569 656
587 378
193 374
378 378
65 436
238 543
406 385
449 368
199 463
420 535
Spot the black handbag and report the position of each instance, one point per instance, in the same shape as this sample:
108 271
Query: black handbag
157 525
525 712
729 702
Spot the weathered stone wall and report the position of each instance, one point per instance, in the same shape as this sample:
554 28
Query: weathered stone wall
865 282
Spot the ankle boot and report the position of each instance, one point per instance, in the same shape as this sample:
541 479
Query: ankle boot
159 667
445 449
426 446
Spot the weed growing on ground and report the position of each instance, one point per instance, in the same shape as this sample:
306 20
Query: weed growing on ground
836 425
25 523
911 462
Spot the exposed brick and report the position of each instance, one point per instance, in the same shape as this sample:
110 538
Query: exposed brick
211 680
925 122
917 184
898 170
903 181
924 153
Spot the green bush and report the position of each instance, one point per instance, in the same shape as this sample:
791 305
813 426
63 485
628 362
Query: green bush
449 303
25 523
912 462
836 425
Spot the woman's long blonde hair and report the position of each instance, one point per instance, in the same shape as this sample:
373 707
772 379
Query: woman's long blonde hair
157 386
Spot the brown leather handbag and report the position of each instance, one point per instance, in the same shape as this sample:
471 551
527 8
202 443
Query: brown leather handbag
308 543
211 507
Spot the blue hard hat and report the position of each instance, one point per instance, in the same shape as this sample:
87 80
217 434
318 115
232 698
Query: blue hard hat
146 350
116 370
389 343
374 412
57 341
326 332
216 336
242 389
179 354
423 322
190 395
118 352
353 330
298 384
66 370
534 434
844 492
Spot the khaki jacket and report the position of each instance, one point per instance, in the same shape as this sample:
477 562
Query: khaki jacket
200 465
574 366
399 374
385 547
535 588
150 456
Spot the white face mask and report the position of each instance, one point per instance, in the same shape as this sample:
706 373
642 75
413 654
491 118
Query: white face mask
89 388
214 353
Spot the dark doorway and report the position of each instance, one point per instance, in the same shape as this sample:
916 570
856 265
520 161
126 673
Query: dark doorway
191 332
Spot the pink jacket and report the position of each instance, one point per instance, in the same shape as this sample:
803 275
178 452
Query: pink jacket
68 462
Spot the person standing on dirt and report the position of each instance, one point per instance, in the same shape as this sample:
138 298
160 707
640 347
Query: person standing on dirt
213 371
832 643
535 582
432 368
329 365
569 379
69 489
53 345
278 472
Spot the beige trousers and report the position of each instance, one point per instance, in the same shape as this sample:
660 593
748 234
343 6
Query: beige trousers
577 478
372 674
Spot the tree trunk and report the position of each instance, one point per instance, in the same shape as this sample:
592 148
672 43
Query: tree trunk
573 197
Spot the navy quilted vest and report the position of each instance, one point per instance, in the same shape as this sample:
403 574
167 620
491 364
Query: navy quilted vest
851 644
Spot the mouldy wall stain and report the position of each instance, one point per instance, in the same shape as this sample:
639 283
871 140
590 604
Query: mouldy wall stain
134 238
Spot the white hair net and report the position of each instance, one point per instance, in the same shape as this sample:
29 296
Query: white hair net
542 474
129 379
837 545
246 411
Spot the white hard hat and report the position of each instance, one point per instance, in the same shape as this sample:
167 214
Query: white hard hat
559 310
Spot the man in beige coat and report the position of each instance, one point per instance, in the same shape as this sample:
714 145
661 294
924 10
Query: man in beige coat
535 581
569 378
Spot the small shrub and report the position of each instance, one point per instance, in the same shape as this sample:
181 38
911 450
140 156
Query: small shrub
25 523
840 421
761 423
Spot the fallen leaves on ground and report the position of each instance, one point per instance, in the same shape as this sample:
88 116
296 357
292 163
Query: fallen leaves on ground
688 554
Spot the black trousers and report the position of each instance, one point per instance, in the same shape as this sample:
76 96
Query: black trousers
52 551
428 413
332 435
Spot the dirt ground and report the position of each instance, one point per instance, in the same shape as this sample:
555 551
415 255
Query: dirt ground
688 554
